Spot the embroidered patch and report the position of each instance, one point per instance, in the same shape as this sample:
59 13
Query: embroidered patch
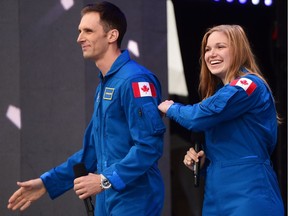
248 85
143 89
108 93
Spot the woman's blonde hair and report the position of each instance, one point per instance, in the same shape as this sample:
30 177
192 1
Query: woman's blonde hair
242 57
243 60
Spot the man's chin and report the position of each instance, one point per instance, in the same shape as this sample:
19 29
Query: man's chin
86 56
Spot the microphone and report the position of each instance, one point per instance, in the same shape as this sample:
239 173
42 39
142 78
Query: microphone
80 170
197 167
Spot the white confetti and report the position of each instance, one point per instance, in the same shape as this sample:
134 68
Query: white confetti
14 115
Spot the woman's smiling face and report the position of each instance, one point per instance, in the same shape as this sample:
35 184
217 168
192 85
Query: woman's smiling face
218 54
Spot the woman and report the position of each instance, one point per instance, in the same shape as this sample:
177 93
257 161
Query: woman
239 119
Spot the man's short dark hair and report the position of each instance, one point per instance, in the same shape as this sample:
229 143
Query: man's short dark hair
111 17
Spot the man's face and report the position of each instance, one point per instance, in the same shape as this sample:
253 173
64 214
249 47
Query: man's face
92 37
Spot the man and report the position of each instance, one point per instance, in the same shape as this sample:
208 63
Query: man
124 139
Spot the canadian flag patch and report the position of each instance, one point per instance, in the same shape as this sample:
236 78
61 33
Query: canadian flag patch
143 89
248 85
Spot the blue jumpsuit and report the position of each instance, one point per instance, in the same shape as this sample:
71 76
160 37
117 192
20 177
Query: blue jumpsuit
240 127
123 141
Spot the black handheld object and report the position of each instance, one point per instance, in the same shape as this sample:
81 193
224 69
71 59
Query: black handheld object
80 170
197 167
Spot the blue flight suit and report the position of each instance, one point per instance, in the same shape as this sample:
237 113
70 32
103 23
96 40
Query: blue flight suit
123 141
240 127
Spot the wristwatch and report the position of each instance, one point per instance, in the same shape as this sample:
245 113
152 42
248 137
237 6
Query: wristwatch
105 184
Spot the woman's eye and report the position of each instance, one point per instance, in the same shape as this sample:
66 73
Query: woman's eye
221 46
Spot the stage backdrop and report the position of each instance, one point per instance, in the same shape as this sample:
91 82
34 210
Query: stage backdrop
47 89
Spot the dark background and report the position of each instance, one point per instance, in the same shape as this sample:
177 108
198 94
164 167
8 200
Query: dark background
43 73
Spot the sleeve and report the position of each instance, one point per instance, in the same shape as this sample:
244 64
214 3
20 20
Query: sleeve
230 102
60 179
141 96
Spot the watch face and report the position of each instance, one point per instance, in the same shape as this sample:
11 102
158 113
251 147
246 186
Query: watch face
106 184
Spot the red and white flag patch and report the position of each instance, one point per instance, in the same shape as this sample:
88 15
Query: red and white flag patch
248 85
143 89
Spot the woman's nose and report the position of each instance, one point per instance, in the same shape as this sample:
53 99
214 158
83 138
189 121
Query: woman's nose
212 52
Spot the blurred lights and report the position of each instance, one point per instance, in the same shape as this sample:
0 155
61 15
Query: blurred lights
242 1
254 2
268 2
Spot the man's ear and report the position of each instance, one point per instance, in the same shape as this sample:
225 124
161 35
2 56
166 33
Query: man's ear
113 35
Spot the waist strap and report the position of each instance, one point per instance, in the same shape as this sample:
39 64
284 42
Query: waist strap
241 162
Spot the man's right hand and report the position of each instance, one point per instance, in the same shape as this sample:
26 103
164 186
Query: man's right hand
28 192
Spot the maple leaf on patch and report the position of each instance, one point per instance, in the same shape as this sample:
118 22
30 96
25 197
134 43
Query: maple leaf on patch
244 82
145 89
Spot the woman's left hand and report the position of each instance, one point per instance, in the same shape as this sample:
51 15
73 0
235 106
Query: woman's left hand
164 106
